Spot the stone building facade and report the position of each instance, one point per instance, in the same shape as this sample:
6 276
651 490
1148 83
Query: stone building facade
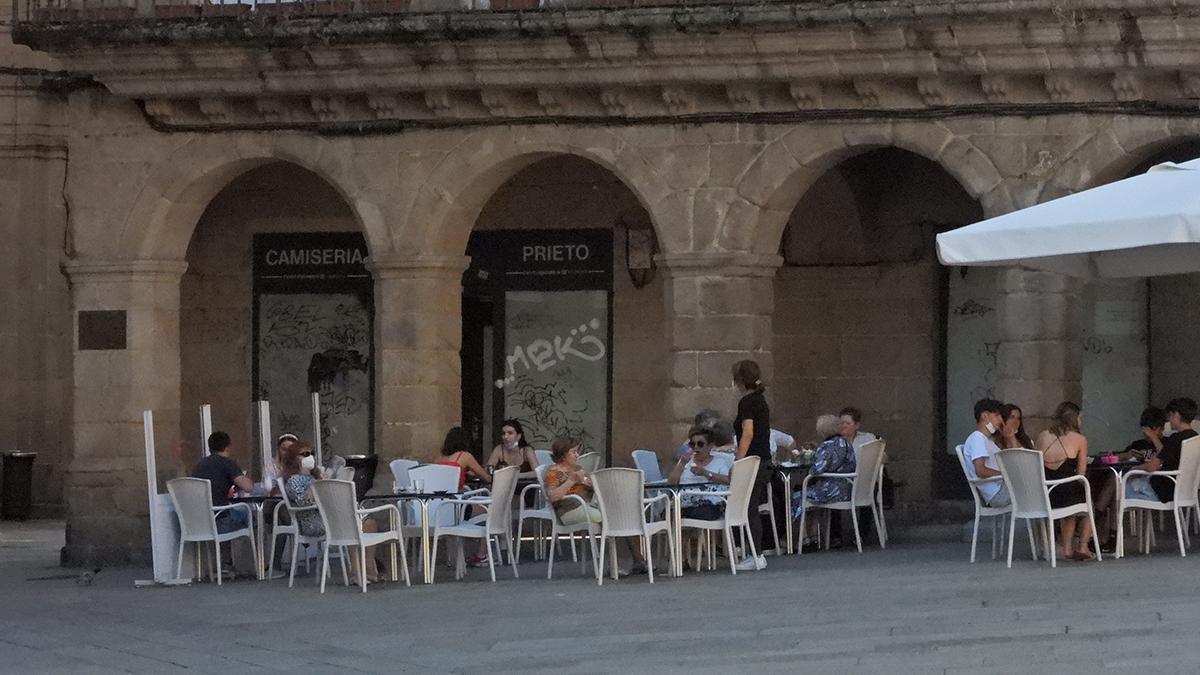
793 162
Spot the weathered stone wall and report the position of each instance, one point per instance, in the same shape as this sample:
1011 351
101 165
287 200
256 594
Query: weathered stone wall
35 335
1174 335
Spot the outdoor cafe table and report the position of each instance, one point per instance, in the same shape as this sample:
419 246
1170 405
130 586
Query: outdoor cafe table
790 472
423 499
258 504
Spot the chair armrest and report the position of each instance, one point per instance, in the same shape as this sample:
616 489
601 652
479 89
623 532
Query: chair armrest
464 502
275 513
1060 481
989 479
479 491
1139 472
647 501
376 509
239 505
702 493
527 488
836 475
576 498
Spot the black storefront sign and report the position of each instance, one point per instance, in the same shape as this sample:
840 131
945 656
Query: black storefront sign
540 260
311 256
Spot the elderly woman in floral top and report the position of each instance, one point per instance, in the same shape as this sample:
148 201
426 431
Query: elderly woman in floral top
833 455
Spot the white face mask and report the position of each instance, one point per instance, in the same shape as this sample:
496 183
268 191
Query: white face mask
511 446
990 427
308 463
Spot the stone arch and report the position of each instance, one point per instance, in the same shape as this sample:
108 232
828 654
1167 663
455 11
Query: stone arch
163 216
787 168
445 208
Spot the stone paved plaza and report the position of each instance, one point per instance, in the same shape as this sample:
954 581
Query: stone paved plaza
916 607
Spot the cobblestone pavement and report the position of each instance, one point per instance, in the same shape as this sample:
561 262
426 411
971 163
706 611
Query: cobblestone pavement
917 607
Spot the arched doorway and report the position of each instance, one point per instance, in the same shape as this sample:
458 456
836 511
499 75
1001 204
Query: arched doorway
557 331
860 309
276 303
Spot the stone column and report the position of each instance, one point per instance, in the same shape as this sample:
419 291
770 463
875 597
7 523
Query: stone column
418 334
718 311
1040 359
107 511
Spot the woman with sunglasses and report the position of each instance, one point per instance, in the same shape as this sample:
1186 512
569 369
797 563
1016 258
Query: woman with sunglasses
299 471
700 465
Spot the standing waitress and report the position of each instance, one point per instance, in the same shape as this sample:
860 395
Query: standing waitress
753 426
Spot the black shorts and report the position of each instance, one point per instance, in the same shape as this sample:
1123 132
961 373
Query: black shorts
703 512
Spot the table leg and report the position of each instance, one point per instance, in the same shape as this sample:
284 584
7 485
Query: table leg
262 539
425 553
787 512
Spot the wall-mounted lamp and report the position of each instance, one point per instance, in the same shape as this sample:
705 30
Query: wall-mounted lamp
640 248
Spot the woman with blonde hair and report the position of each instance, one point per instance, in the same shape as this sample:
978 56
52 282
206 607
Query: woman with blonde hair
1065 454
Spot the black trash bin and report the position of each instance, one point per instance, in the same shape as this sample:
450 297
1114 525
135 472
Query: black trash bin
364 472
16 486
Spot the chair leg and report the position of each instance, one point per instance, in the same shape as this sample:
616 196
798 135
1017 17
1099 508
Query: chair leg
729 549
512 561
520 531
550 565
600 568
800 536
292 572
433 557
1053 547
1012 526
649 558
574 557
880 528
217 559
614 569
857 534
324 565
179 559
345 574
362 567
491 558
1032 539
254 555
1179 532
271 562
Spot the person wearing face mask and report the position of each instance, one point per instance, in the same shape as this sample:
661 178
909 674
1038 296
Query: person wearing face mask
514 451
980 452
299 471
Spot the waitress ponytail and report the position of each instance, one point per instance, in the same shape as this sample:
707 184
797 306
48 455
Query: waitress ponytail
747 374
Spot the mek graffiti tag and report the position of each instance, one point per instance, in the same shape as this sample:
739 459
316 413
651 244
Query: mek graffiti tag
544 354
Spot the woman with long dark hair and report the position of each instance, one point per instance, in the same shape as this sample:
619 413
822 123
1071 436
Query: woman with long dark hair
514 450
1012 434
753 428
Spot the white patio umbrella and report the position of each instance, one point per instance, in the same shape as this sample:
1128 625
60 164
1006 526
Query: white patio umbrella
1144 225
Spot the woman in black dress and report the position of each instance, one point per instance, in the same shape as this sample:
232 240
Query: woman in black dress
1064 454
753 428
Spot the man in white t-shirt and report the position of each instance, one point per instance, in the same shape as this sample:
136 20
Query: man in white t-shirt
980 452
851 427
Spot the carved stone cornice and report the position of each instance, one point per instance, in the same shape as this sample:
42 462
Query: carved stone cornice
651 63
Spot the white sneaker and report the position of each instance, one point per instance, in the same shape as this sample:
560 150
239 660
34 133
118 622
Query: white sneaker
748 564
760 563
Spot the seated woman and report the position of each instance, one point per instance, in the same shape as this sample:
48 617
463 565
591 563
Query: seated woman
1012 434
456 451
700 465
299 471
1064 454
835 454
564 478
514 451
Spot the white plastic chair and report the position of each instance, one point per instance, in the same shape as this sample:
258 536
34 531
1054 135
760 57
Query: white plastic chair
589 462
998 514
490 526
338 506
1025 477
291 531
557 528
400 468
647 461
1186 480
192 498
867 459
624 506
737 504
539 513
544 457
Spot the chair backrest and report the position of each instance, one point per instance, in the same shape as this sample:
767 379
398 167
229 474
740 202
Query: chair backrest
741 486
1188 480
589 462
543 457
647 461
281 485
866 465
338 507
400 468
504 485
344 473
1025 477
962 462
192 498
619 492
438 478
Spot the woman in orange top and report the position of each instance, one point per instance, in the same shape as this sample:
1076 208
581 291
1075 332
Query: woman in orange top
456 451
